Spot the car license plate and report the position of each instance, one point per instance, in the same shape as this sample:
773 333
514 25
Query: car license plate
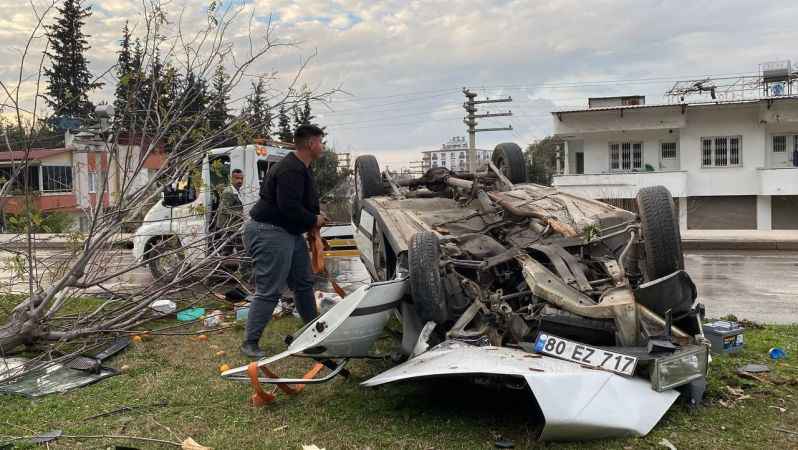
585 354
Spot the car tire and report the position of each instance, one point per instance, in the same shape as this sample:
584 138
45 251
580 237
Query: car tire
662 241
160 254
509 159
426 284
368 182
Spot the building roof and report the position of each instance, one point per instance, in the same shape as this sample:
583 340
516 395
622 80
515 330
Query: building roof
35 154
677 105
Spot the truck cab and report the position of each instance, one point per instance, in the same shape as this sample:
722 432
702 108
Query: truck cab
180 225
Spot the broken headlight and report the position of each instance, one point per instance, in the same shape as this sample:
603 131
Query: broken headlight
679 368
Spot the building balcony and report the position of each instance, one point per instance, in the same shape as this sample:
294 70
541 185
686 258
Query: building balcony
778 181
621 185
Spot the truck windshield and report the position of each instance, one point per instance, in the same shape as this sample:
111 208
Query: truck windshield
219 172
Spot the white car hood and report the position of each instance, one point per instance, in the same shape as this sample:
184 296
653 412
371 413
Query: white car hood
578 403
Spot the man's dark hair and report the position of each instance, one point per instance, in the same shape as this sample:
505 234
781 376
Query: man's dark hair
303 134
235 171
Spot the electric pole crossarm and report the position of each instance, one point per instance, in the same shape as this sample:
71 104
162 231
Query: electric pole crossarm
477 116
510 128
498 100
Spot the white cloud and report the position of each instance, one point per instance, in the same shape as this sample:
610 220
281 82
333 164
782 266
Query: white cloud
405 62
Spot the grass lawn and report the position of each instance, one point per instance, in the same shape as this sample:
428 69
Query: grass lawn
342 415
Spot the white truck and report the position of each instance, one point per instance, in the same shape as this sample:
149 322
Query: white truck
184 216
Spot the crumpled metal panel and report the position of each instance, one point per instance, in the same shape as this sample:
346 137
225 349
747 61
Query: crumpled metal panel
578 403
349 328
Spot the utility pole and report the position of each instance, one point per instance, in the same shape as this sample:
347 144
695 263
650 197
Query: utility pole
471 120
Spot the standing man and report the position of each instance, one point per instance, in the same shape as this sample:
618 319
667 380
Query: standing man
230 214
287 208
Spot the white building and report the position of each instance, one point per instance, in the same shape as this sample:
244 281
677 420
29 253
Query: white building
453 155
732 164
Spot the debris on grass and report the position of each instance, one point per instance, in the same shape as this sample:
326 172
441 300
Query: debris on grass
666 443
279 428
191 444
312 447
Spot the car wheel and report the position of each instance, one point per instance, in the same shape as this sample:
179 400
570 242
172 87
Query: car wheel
165 258
661 238
509 159
368 182
426 285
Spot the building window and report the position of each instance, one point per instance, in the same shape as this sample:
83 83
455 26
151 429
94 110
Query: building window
721 151
92 182
443 162
668 150
626 156
779 144
434 156
56 179
462 155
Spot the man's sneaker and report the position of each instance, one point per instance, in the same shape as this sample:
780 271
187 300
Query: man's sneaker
252 351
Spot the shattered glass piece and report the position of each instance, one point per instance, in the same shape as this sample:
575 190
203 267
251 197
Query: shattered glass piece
54 379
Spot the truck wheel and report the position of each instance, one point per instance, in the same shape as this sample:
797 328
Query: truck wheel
509 158
426 285
660 226
165 258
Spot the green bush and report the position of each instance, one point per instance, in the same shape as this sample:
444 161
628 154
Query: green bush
53 222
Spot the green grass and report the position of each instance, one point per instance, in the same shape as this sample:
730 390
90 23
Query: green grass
343 415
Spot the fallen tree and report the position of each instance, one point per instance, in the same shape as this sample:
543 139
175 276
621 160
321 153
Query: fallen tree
155 119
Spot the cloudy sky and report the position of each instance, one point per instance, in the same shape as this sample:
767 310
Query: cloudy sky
402 64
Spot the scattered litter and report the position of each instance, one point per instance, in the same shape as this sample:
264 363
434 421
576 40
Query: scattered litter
224 368
502 442
755 368
787 431
44 438
666 443
188 315
781 410
311 447
163 306
191 444
280 428
214 319
124 369
221 353
136 339
242 312
201 337
777 353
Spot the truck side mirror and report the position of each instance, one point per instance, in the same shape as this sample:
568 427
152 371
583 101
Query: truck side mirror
175 197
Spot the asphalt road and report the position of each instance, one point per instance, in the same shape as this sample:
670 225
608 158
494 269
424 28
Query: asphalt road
757 285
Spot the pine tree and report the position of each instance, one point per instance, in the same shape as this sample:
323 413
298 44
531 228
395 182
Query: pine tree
284 132
258 113
306 116
68 73
295 117
218 114
124 73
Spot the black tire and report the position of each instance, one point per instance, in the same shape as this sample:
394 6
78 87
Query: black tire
426 285
368 183
660 227
509 158
368 180
161 253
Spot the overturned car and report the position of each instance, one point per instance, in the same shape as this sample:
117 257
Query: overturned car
501 280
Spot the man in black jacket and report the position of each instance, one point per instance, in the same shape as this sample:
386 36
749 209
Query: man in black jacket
287 208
